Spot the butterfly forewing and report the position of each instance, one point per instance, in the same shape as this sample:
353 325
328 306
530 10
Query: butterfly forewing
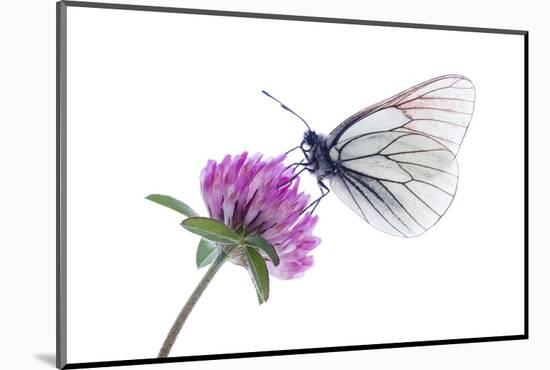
395 161
440 108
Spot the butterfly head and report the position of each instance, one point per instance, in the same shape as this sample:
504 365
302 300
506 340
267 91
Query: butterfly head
309 141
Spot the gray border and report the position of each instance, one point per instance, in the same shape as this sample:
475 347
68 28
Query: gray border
61 263
61 186
289 17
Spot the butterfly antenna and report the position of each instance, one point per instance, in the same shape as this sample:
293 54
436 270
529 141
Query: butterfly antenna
287 108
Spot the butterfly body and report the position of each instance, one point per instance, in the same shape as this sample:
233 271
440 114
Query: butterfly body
318 160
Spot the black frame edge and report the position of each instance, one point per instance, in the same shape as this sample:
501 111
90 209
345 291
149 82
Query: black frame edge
61 195
526 185
224 356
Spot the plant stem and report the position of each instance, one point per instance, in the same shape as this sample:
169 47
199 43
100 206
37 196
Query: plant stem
188 307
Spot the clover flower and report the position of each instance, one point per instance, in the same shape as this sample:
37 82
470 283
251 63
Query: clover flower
259 196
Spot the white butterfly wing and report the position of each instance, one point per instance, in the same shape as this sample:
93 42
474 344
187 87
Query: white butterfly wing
440 108
396 164
402 184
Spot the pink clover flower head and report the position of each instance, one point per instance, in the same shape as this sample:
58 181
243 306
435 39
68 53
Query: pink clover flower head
255 194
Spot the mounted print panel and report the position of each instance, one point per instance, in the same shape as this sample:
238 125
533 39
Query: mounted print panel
397 216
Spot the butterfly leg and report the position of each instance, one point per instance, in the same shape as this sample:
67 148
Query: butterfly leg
293 149
298 164
324 192
303 162
289 181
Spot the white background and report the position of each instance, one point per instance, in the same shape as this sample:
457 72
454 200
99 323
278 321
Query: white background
152 96
28 141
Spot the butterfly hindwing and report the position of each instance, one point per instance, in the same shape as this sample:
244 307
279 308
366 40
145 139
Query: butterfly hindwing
402 187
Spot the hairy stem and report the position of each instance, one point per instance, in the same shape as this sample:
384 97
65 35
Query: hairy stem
188 307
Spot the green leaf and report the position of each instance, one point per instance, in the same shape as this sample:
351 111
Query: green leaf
258 272
211 229
258 242
206 253
260 299
172 203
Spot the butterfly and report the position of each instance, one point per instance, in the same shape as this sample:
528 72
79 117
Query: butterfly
394 163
